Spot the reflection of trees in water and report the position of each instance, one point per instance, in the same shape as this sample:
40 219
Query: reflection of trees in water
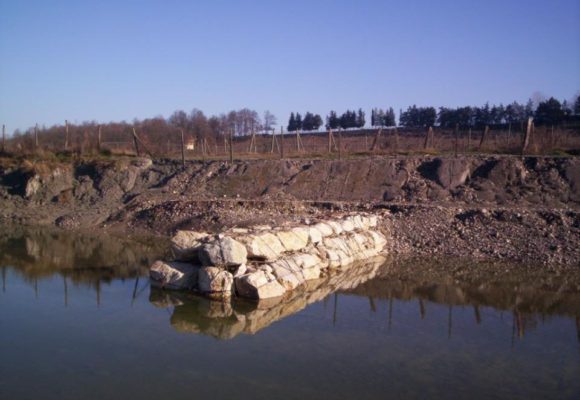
528 304
80 259
530 296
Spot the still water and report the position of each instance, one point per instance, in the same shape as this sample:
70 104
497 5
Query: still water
78 320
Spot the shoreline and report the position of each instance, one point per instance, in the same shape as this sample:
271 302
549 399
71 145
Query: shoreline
486 208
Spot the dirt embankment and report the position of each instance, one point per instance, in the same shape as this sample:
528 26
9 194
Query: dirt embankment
490 207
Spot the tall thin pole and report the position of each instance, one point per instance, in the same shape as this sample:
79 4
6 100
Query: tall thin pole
483 135
136 143
273 140
469 139
99 139
3 138
330 141
282 142
232 147
456 138
66 134
182 149
528 135
36 136
339 144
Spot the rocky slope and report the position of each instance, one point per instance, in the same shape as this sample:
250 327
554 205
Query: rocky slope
523 209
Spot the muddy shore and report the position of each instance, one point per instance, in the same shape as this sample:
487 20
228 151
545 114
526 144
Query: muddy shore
502 208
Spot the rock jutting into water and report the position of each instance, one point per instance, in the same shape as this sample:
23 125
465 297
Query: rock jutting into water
225 320
262 262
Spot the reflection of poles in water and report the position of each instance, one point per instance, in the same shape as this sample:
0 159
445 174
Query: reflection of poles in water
519 325
372 304
335 309
513 329
134 296
390 311
36 288
422 308
98 293
477 314
4 279
65 291
578 328
449 322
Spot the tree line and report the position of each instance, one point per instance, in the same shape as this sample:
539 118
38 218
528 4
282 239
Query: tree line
197 125
547 112
310 122
158 131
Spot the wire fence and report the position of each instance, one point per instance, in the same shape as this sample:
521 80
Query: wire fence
178 144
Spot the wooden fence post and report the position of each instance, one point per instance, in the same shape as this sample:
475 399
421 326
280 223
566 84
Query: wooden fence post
329 141
66 135
99 139
36 136
253 143
428 137
135 143
528 135
282 142
456 139
483 135
232 147
3 138
182 148
469 139
376 139
274 142
339 144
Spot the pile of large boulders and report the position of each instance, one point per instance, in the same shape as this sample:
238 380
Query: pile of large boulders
264 262
225 320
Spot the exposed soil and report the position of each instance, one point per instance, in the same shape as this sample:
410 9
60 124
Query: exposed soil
520 209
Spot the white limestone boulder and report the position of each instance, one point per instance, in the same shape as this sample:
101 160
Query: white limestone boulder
264 246
213 280
294 239
223 251
324 229
288 273
186 244
259 285
174 275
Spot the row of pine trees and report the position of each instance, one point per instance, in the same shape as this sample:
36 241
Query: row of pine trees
548 112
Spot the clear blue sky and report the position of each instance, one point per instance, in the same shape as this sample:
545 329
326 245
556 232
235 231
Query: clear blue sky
120 60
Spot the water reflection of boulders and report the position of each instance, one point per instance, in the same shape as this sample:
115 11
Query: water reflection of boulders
528 296
225 319
40 253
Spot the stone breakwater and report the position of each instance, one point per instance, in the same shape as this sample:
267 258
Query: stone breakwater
226 320
262 262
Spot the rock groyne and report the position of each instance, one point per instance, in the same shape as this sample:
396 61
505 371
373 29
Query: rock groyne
262 262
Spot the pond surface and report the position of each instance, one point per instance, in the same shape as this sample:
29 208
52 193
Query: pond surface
78 320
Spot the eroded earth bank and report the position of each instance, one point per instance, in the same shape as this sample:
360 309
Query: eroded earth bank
510 208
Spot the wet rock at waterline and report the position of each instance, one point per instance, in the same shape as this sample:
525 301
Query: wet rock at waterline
174 275
258 263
